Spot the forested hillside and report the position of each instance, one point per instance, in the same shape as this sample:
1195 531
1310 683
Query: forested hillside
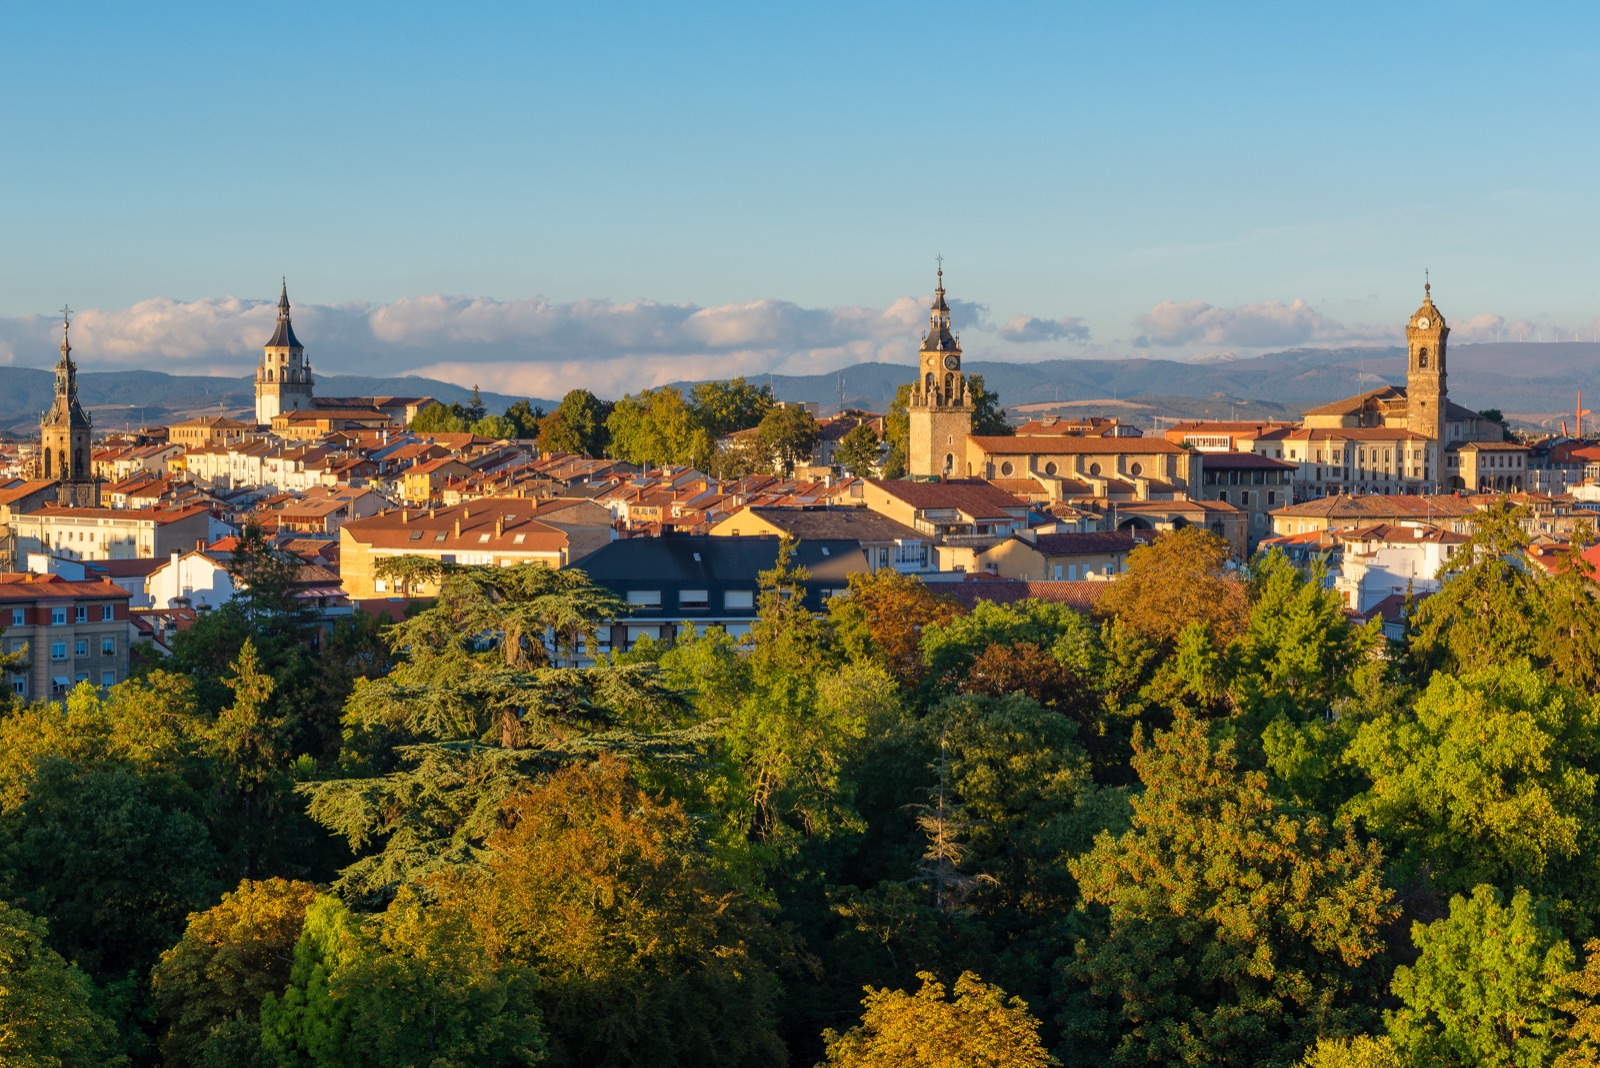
1213 824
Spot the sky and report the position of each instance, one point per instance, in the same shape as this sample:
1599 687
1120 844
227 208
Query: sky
535 197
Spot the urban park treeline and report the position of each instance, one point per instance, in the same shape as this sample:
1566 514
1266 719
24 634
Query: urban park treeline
1214 823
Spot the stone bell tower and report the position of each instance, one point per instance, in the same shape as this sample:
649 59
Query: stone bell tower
939 410
64 451
1427 398
283 381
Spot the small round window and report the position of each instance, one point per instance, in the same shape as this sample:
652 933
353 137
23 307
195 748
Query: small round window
1006 468
1050 468
1094 469
1135 469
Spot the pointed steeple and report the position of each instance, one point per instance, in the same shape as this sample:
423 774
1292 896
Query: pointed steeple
283 337
939 338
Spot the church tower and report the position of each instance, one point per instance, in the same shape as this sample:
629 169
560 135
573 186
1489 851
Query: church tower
283 381
1427 400
940 414
64 451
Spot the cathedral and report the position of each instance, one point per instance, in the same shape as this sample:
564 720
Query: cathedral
64 451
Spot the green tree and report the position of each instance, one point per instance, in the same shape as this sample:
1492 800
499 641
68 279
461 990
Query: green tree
114 861
1489 608
208 988
497 427
1362 1051
788 435
724 407
436 418
657 426
578 425
250 747
408 572
1487 781
524 419
981 1027
413 986
1236 932
859 451
883 618
47 1018
897 433
1486 988
987 415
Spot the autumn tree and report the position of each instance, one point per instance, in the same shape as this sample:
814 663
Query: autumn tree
648 951
1487 986
980 1027
208 988
47 1017
1235 932
1181 578
884 616
1582 1005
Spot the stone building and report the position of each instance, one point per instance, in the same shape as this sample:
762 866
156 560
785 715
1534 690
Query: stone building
64 452
939 410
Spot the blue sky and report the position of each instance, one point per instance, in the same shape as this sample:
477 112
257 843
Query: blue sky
544 194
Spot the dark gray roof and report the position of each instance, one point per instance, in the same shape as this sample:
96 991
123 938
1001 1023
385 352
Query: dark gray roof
1102 541
716 563
283 337
858 524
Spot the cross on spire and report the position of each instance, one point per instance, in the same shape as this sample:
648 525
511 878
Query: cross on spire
66 314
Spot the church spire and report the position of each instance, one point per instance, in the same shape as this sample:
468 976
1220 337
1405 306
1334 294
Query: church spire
283 300
283 337
66 346
939 338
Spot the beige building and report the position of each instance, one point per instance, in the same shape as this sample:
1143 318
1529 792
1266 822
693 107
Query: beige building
886 543
425 481
1334 513
496 532
1152 468
209 430
1070 557
109 533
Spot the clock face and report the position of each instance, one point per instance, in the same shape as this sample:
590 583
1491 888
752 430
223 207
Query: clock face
951 363
1422 323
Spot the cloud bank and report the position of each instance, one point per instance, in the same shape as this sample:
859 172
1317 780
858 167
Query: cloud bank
1023 328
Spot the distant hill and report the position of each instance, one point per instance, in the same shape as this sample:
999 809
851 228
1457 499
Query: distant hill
117 399
1534 383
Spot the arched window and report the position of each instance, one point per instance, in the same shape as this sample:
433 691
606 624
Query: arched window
269 374
1422 357
77 463
927 383
47 473
949 387
61 465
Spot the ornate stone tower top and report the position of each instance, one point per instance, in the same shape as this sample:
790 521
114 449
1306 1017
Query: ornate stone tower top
65 411
940 383
1427 397
283 381
64 449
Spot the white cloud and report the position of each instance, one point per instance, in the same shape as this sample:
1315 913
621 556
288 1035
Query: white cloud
612 347
1022 328
1265 324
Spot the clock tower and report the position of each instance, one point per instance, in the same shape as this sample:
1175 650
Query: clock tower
283 378
1427 400
939 410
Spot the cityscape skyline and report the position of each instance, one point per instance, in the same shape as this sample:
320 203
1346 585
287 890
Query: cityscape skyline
526 197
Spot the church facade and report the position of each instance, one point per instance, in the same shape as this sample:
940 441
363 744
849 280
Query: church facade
1400 439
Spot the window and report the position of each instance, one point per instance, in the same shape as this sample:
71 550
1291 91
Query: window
58 650
58 617
1006 469
694 599
19 617
441 535
82 615
1094 469
736 599
59 684
483 539
108 678
416 535
19 685
108 612
80 647
108 646
1135 470
645 598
